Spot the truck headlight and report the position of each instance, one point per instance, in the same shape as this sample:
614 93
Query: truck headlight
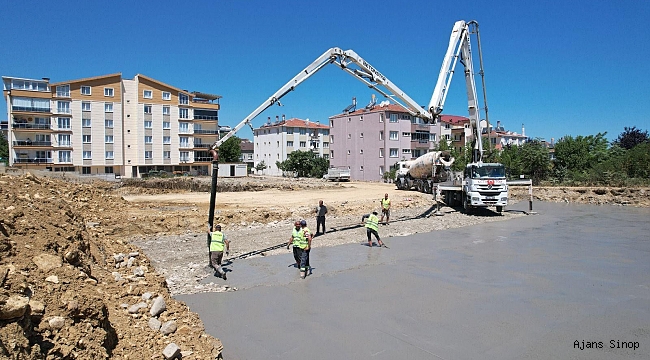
504 199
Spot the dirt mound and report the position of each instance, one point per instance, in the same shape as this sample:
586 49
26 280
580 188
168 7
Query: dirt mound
639 197
70 290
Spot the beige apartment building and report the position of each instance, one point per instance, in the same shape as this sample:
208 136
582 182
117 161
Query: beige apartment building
109 125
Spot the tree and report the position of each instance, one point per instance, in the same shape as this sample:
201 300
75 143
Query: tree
4 148
230 150
631 137
260 166
304 164
581 153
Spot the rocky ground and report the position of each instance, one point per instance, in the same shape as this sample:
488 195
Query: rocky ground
84 273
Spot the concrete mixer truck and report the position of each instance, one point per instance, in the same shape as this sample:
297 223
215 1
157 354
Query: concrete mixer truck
481 184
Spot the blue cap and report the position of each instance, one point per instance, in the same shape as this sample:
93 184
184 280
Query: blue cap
303 223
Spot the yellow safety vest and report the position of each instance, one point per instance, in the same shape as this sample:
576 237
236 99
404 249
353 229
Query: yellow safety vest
385 203
216 241
299 238
372 222
306 231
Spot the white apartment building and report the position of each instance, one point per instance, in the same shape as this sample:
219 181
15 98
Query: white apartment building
109 125
275 141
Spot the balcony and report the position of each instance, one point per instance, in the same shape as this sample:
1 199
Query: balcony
206 117
23 126
206 132
202 146
34 161
65 160
63 144
32 109
63 111
203 159
184 145
32 143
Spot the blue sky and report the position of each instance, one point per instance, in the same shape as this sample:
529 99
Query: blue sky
558 67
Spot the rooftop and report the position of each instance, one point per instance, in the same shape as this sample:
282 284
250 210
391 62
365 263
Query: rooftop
294 122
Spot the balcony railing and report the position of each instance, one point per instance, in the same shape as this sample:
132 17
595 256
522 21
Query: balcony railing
30 109
31 126
202 146
206 132
67 160
32 143
203 159
63 111
63 144
184 145
205 117
34 161
184 160
63 94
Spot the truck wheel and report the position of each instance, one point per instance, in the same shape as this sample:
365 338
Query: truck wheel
499 209
426 187
466 206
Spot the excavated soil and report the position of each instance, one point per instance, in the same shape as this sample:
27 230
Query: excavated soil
82 263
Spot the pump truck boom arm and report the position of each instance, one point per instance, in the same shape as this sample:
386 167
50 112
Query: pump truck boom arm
350 62
459 47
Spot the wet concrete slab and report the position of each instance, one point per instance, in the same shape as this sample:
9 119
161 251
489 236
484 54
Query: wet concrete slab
539 287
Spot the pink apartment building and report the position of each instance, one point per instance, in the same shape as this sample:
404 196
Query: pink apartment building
370 141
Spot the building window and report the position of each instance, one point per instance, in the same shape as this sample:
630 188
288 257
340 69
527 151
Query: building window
87 155
108 123
166 110
85 90
381 117
63 91
167 125
394 135
108 139
108 92
406 151
381 135
331 123
64 123
332 139
361 151
332 154
349 119
167 140
326 156
63 107
406 134
148 154
184 141
303 131
447 126
289 131
394 152
167 154
184 156
147 124
65 156
361 168
148 139
447 137
432 137
349 136
381 171
348 152
85 170
85 122
147 109
166 95
86 139
326 144
303 144
381 152
183 113
108 170
108 107
393 118
85 106
183 99
183 128
147 94
64 140
290 143
110 155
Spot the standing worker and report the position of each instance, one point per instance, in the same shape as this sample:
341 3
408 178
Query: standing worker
217 242
300 246
372 227
307 233
385 209
321 210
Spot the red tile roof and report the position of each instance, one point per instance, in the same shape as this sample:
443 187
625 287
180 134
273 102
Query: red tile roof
453 119
299 123
376 108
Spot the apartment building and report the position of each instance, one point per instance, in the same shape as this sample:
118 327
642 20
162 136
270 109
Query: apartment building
247 149
274 141
369 141
456 130
109 125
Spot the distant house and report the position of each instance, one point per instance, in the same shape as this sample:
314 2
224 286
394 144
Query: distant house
247 152
274 141
500 137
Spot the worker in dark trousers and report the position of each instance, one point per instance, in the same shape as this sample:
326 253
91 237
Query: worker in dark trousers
371 222
218 241
321 211
307 233
300 246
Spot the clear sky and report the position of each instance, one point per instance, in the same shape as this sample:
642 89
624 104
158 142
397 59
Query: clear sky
560 67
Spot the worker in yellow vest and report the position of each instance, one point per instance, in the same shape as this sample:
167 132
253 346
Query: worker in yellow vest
218 241
385 209
309 236
301 244
372 227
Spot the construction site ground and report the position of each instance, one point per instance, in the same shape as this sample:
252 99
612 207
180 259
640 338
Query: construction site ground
67 293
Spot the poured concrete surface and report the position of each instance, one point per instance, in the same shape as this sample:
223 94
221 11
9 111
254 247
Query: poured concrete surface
528 288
